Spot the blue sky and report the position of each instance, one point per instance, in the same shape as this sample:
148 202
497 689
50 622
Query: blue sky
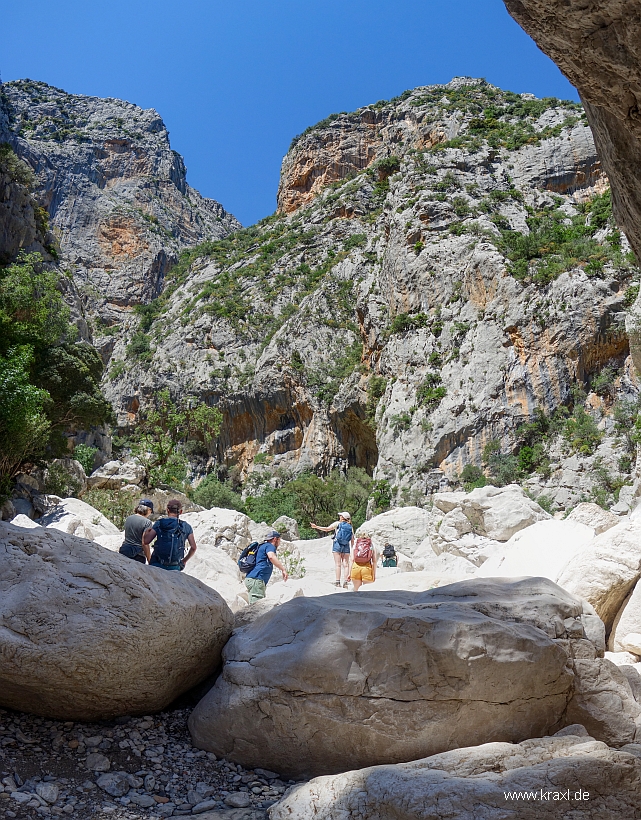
236 80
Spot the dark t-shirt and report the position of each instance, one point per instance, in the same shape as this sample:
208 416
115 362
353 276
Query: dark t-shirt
135 526
264 567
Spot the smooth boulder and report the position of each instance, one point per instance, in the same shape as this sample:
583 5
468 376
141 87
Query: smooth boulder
404 527
606 570
320 685
540 550
627 623
494 512
563 777
76 517
88 634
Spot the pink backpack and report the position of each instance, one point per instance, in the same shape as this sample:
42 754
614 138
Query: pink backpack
363 551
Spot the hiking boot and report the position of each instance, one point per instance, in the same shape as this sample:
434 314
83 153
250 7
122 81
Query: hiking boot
346 585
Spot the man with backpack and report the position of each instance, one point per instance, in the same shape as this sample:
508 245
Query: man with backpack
390 559
343 541
171 534
257 578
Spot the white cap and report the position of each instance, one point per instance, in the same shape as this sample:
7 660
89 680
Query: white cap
345 515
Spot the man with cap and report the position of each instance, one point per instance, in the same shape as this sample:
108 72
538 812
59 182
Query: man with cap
257 579
135 527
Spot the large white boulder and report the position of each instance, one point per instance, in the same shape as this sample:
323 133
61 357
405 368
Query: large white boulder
87 634
404 527
542 549
627 623
116 474
563 777
220 529
592 515
605 570
495 512
76 517
393 676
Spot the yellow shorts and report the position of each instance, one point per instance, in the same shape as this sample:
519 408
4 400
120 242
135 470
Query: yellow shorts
362 572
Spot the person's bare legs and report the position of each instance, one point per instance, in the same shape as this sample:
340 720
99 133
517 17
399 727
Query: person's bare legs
345 566
337 565
357 584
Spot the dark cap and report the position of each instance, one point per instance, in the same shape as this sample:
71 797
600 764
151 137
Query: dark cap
273 534
147 503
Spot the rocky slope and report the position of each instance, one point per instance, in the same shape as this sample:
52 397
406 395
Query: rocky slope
115 193
441 265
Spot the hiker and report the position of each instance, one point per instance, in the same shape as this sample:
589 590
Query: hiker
171 534
343 541
364 562
135 527
257 578
390 559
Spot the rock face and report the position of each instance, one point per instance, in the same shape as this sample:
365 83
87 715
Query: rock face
596 45
115 192
600 783
88 634
375 321
390 677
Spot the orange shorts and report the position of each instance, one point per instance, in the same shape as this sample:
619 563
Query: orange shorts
362 572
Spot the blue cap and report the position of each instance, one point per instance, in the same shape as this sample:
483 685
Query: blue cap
147 503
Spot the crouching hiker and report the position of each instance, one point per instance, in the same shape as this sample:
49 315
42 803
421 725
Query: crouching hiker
257 578
135 527
171 534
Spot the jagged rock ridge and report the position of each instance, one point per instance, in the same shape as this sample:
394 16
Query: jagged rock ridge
116 194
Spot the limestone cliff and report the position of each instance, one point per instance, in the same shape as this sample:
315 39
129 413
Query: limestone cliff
440 266
115 193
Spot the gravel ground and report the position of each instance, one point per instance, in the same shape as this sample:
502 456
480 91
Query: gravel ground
127 769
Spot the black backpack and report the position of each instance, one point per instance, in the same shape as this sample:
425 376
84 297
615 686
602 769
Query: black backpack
389 551
247 560
169 548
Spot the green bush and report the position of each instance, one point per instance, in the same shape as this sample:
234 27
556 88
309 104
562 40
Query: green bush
502 467
356 240
376 387
472 477
603 382
116 505
382 492
139 348
14 167
60 482
213 493
581 432
310 498
403 322
86 455
431 392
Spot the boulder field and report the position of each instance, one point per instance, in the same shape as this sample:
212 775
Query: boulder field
319 685
88 634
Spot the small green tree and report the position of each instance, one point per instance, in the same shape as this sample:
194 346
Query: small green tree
581 432
163 430
213 493
86 455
